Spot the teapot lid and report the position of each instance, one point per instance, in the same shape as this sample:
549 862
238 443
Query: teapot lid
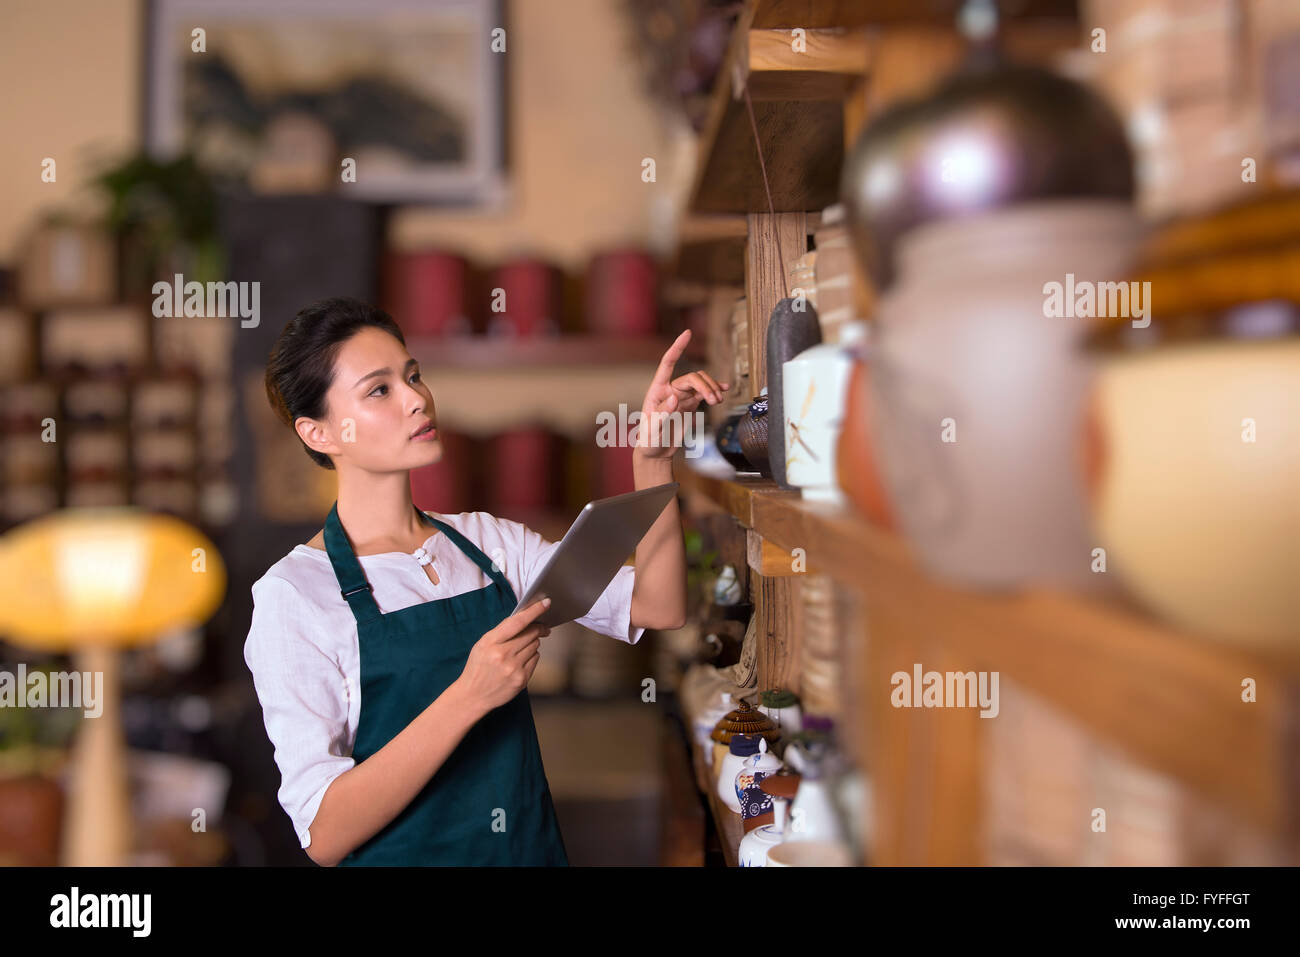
777 698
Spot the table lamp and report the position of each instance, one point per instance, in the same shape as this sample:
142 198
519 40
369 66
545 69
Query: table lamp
93 581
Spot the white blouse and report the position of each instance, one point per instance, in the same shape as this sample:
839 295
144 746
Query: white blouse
302 643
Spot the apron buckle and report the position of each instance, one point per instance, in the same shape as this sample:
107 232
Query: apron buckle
353 591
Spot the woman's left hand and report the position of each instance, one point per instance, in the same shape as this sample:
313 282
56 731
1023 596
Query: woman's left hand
669 401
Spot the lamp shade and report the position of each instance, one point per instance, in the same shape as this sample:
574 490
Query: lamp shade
112 577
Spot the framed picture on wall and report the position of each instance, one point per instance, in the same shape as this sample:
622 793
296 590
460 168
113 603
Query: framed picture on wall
389 101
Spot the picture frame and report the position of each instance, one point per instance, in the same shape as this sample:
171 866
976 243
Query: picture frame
413 91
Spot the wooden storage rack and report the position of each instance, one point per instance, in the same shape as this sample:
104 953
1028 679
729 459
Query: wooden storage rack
1168 700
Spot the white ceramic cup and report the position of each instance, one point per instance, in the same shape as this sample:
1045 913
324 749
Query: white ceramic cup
809 854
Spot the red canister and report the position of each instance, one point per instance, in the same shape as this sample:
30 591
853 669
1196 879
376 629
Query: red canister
521 471
445 486
523 298
427 292
620 295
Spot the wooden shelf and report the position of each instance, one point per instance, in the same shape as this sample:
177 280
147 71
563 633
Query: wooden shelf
483 385
798 108
1170 700
1164 700
800 97
710 249
726 821
788 14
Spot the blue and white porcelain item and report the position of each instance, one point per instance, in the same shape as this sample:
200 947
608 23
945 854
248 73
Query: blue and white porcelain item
742 746
755 845
755 767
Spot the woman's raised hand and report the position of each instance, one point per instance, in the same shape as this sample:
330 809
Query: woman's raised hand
662 428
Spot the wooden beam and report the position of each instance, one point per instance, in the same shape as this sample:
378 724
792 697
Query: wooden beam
773 561
818 65
771 237
778 628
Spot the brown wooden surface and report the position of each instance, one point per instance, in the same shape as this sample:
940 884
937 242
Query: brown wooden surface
811 14
801 148
771 560
728 823
777 630
711 249
827 67
802 139
736 496
1269 222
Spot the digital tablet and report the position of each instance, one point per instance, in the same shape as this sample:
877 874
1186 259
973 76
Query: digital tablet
592 551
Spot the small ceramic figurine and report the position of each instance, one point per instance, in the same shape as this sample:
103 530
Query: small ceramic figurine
742 746
754 769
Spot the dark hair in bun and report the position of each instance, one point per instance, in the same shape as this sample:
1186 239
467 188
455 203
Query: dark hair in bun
301 365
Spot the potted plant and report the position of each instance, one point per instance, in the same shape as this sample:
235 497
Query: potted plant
33 745
165 218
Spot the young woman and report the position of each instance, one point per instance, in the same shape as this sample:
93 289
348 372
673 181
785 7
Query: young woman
391 674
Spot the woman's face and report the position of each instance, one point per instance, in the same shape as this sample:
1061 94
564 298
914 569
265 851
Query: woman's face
374 405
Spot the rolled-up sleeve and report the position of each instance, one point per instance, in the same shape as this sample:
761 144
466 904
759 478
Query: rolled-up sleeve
304 698
611 615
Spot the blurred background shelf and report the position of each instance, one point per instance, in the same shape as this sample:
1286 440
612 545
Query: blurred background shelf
787 14
481 401
574 355
710 249
801 129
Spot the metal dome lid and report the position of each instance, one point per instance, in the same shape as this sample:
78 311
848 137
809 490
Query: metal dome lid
995 133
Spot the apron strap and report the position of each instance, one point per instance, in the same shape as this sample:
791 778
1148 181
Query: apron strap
356 591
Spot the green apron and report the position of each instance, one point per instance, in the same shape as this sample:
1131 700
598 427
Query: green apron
489 803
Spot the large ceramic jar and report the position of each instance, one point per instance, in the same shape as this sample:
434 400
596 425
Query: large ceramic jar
1197 472
978 391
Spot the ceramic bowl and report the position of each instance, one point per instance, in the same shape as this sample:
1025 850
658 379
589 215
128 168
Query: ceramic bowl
1198 474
